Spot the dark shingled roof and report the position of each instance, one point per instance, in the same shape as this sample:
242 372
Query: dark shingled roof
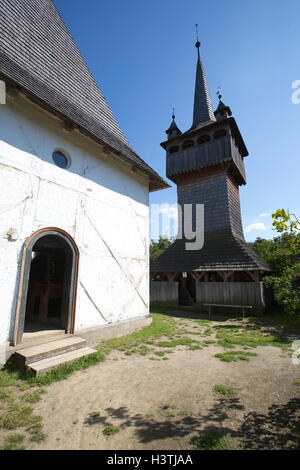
222 251
38 54
203 110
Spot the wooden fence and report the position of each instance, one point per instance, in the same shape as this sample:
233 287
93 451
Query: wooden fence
231 293
235 293
163 291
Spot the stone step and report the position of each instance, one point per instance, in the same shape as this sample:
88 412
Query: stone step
45 365
28 343
39 352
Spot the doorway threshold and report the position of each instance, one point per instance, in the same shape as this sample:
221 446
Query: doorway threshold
36 333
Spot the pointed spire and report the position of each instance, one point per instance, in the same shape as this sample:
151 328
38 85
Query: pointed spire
222 111
203 110
173 130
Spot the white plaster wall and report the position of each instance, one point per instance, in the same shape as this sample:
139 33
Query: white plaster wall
99 201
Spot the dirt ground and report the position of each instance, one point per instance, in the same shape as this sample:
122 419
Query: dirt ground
167 404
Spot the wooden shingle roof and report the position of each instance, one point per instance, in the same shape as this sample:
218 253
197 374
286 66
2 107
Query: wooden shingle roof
222 251
38 54
203 110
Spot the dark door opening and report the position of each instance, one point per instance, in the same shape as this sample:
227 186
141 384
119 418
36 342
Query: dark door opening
187 290
48 284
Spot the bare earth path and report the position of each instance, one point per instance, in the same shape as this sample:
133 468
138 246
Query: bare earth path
167 404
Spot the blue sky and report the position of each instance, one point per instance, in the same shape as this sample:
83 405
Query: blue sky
143 57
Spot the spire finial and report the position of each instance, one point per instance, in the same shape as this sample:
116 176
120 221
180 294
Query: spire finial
173 115
219 93
198 44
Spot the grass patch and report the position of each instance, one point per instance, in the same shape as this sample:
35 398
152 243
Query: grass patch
234 356
279 320
110 430
4 394
250 338
207 332
161 325
61 373
38 436
11 376
194 347
13 442
159 353
17 416
184 341
33 397
225 391
211 441
185 413
201 321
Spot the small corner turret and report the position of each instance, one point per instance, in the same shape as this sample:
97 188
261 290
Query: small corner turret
173 130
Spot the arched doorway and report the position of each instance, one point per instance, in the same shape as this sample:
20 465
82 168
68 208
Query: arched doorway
48 285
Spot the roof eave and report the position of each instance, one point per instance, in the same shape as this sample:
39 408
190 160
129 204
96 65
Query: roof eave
155 181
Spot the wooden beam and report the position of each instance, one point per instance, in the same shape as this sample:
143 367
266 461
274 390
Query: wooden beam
12 90
254 275
68 126
225 275
171 276
196 275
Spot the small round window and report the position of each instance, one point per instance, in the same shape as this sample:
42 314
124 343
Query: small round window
60 159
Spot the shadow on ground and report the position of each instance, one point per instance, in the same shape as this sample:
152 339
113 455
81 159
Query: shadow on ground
277 429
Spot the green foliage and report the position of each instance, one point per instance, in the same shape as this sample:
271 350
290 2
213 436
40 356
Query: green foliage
283 255
287 288
283 222
157 248
277 252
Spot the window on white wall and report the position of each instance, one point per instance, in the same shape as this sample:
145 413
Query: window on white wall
60 159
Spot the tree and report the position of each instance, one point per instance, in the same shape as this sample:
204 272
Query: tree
158 247
283 255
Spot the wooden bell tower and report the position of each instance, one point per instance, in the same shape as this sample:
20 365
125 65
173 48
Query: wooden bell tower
207 164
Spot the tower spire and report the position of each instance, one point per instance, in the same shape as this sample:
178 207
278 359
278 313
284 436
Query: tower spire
203 110
173 130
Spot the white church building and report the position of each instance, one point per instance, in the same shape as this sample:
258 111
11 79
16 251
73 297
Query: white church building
74 197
